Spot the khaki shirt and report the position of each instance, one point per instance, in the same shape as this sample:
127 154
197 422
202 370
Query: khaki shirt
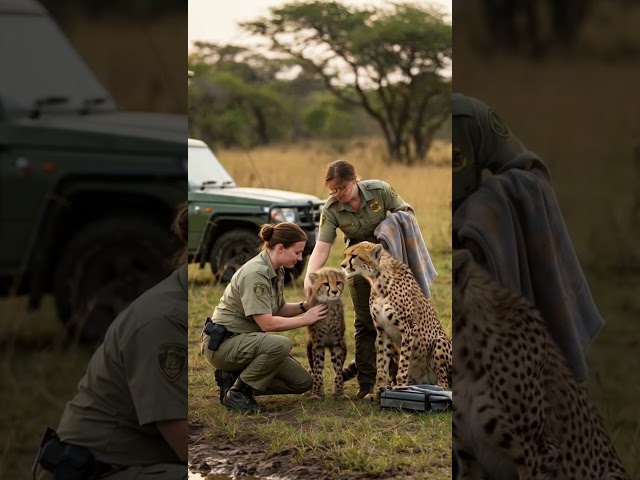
254 289
480 140
137 377
377 197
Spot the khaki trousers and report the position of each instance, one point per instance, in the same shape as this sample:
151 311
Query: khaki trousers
365 330
264 360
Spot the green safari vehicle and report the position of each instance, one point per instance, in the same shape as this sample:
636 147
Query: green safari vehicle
224 218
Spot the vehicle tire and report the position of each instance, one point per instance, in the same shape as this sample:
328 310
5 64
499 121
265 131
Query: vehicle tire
232 250
104 267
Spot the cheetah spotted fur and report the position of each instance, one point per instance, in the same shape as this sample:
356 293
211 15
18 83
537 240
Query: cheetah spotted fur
327 285
408 327
519 413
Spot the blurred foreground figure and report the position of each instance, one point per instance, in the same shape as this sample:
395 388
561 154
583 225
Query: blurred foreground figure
129 417
519 274
513 225
520 413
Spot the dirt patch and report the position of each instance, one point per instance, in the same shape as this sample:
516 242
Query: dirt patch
245 457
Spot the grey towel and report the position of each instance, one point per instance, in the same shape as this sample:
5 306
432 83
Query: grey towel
401 234
515 221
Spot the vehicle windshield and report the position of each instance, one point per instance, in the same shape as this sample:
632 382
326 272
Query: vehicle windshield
205 171
41 70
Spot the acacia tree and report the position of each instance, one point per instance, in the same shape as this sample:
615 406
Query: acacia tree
389 61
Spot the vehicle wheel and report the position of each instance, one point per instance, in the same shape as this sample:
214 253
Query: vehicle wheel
232 250
104 267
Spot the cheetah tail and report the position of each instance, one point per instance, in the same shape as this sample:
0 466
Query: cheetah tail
350 372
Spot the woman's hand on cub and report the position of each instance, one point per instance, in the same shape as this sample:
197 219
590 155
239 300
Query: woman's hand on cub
314 314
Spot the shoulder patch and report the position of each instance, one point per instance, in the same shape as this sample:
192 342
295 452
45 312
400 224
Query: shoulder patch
458 160
497 125
172 359
393 192
259 289
321 219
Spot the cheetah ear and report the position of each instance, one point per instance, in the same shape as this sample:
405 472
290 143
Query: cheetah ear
313 277
376 252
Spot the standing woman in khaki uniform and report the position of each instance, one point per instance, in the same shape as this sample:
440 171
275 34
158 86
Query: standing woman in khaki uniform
253 303
129 418
480 141
356 207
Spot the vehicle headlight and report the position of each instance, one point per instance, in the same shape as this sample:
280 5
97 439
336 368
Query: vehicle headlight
284 215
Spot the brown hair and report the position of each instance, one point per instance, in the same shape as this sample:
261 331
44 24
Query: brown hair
285 233
180 227
342 170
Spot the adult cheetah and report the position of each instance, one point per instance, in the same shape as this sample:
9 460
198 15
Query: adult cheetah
518 413
408 328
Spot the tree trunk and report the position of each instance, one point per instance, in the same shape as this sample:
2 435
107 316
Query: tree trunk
261 126
396 148
422 144
395 151
407 154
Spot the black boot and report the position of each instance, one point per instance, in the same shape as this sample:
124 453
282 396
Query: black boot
364 390
225 380
240 397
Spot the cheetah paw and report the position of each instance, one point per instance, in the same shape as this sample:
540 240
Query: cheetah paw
372 397
398 387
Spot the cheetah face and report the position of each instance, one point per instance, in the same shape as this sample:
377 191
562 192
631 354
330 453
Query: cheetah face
327 284
362 259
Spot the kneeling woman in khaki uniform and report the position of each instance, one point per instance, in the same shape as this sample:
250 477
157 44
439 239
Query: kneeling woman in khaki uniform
253 303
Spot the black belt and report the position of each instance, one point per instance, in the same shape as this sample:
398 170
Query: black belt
67 461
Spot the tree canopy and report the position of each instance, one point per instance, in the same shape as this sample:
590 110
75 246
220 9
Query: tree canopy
240 97
390 61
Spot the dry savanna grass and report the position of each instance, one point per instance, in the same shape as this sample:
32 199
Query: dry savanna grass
301 168
348 438
38 375
140 62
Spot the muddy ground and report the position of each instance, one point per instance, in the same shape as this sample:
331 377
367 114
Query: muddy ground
248 458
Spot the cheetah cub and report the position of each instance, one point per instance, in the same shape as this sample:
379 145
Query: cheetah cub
409 330
519 412
327 285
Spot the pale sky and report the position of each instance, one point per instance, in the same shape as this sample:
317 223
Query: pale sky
216 20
